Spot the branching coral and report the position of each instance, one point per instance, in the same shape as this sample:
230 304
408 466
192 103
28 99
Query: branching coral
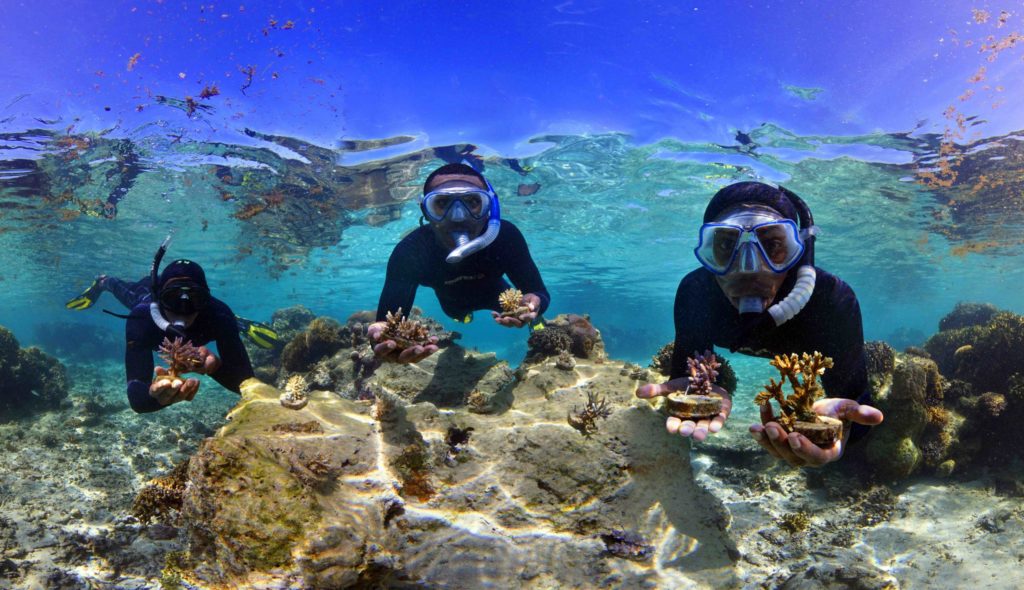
405 332
511 301
799 405
181 357
296 393
703 369
585 420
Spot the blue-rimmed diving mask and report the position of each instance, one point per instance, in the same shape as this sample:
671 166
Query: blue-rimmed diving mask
749 242
457 204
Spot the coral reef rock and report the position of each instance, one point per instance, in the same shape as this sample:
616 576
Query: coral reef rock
569 332
400 495
30 379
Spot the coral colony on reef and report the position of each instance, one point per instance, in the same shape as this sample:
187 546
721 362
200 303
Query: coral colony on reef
181 357
698 402
511 301
405 332
585 420
797 409
296 393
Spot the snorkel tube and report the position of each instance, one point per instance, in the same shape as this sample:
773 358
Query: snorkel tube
806 276
464 246
177 328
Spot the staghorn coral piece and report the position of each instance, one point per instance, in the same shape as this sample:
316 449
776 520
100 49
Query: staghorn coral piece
797 409
585 420
698 402
296 393
181 357
511 301
406 333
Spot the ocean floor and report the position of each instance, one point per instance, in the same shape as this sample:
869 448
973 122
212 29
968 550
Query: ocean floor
68 479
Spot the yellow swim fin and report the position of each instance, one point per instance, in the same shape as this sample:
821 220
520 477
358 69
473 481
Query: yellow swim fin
87 298
259 334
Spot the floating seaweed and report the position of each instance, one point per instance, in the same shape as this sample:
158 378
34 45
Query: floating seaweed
797 409
181 357
698 401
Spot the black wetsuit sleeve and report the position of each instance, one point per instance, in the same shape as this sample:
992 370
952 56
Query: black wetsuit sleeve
138 364
235 365
692 335
521 269
400 282
849 374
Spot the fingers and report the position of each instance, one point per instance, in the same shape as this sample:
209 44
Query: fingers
650 390
160 371
698 430
384 349
774 439
811 454
867 415
211 364
415 354
189 389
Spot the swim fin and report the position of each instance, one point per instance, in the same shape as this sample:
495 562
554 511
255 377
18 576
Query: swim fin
87 298
259 334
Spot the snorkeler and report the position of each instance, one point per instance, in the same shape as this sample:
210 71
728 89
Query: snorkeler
759 293
181 308
131 294
463 253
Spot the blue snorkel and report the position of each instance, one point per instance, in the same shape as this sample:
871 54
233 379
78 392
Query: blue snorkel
464 246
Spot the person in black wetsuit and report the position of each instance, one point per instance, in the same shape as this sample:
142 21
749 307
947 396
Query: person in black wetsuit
182 308
463 253
759 293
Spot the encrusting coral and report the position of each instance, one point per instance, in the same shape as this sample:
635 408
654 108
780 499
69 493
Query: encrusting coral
296 393
797 409
181 357
405 332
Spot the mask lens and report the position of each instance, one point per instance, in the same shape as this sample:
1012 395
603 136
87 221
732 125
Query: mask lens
439 205
184 299
780 243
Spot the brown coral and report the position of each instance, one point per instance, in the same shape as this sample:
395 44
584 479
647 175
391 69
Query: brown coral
181 357
585 420
511 301
404 332
798 407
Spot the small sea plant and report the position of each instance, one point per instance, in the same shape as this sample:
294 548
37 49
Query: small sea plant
296 393
585 420
181 357
797 414
698 401
511 301
406 333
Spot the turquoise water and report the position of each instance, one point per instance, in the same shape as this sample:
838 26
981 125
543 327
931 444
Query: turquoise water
605 129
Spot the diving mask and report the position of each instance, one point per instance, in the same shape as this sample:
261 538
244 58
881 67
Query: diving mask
183 297
749 242
457 204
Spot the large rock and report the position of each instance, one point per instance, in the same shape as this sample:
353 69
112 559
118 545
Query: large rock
346 493
30 379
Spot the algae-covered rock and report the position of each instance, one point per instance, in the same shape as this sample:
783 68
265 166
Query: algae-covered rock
30 379
985 355
404 492
892 447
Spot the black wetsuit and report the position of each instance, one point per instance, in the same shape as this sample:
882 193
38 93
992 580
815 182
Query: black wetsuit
830 323
475 283
215 323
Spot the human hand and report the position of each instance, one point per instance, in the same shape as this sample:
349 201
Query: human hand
167 391
795 449
531 302
210 362
387 349
699 429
